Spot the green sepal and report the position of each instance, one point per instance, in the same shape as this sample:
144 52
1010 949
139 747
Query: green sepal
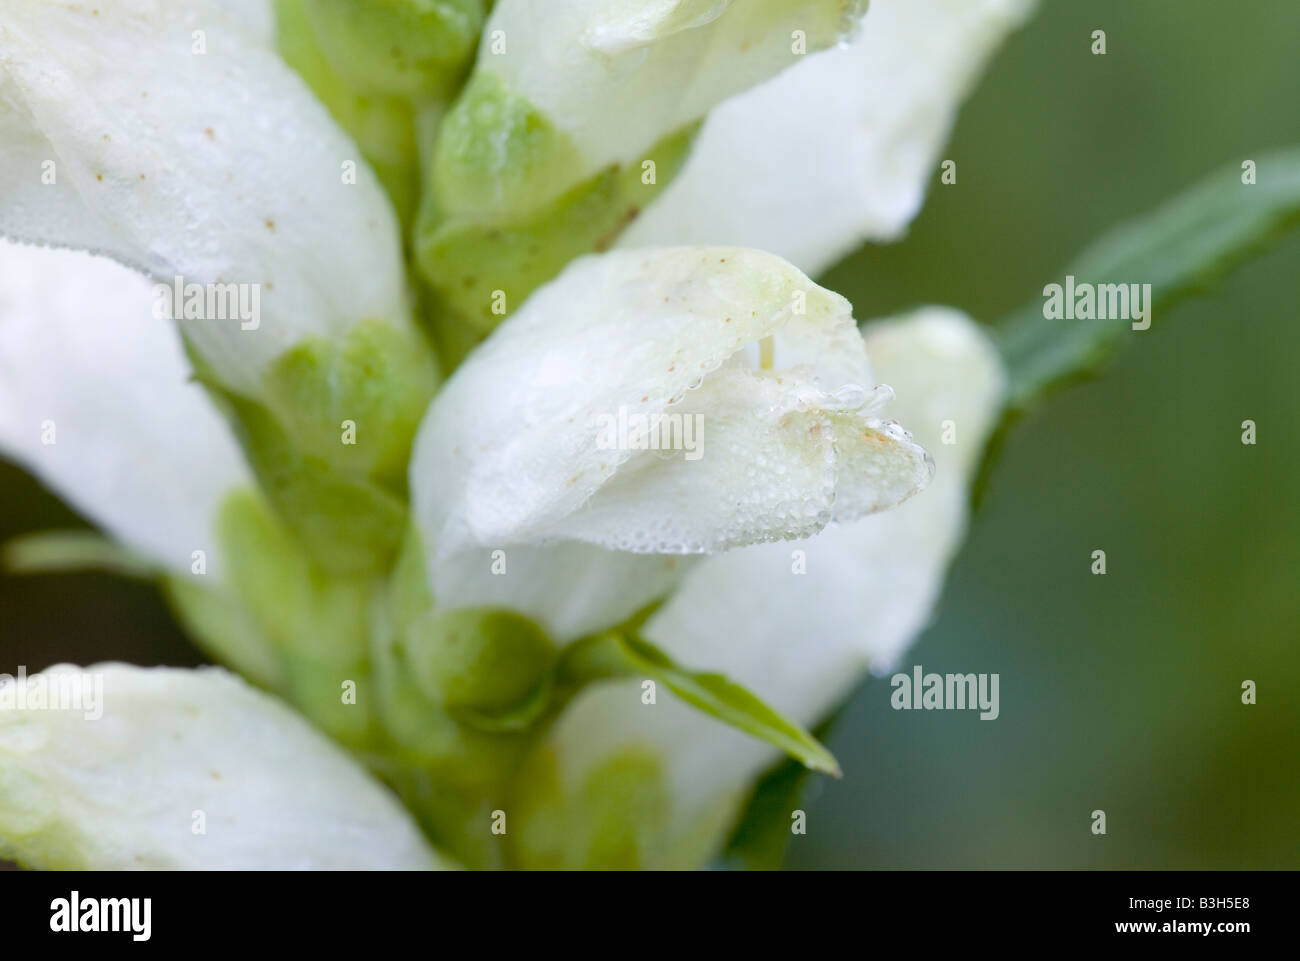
57 552
419 730
329 439
383 126
408 48
488 668
618 819
409 595
377 377
467 258
497 157
316 621
616 655
349 525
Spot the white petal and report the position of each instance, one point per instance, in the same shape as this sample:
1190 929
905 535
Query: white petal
535 438
613 77
125 790
257 17
134 444
571 589
840 148
216 166
802 641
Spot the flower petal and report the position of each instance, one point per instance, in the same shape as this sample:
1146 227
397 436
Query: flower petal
96 400
176 750
606 80
171 138
802 641
838 149
628 406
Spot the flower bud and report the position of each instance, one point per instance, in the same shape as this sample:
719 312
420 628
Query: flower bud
483 661
647 404
401 47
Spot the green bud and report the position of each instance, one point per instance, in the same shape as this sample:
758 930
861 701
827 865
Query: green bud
377 377
403 47
316 624
488 662
330 441
422 736
467 261
498 156
383 126
616 820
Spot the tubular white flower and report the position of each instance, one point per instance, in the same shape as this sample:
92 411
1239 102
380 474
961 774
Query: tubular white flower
96 400
840 148
138 760
545 434
801 642
170 137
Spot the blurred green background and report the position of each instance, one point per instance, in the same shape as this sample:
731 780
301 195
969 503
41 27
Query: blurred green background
1119 692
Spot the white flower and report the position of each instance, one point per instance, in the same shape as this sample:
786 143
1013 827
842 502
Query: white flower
734 347
186 769
800 641
120 136
100 407
839 148
171 138
607 79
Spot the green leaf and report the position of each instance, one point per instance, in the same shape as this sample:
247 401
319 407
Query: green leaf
49 552
622 655
1181 249
761 833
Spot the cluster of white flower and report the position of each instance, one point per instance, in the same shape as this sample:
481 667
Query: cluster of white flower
643 189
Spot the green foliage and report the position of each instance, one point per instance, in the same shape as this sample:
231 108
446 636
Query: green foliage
618 654
1181 249
45 552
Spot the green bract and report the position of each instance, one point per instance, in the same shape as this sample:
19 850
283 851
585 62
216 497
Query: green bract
480 271
577 113
332 437
482 663
383 125
403 47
